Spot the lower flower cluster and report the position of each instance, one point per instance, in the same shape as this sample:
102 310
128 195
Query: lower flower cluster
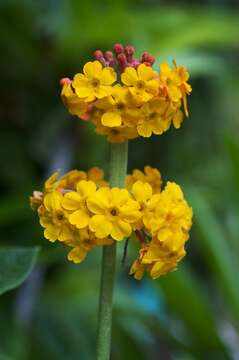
82 211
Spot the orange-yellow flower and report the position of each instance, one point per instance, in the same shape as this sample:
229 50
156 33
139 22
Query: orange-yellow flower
114 211
96 81
75 202
142 81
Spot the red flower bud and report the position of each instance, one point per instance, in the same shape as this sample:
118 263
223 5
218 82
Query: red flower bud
108 55
98 55
147 57
118 49
122 60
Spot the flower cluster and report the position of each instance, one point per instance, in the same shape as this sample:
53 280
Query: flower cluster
125 97
82 211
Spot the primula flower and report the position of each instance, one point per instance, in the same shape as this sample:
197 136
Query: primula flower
95 82
54 218
114 211
85 242
117 135
75 202
142 81
154 118
150 175
75 105
156 260
115 107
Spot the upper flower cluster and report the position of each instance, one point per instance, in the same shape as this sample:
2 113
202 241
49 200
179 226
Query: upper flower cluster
125 97
81 210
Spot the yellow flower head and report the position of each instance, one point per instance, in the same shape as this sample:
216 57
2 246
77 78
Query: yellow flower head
114 211
141 82
139 101
95 82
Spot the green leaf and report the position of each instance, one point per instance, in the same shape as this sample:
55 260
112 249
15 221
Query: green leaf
15 266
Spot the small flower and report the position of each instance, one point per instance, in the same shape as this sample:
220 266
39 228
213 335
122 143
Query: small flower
114 211
96 81
115 107
154 118
150 175
75 105
75 202
117 135
142 82
85 242
54 218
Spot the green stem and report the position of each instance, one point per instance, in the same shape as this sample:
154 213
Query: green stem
118 170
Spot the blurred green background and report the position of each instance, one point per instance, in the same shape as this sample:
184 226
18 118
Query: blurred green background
189 314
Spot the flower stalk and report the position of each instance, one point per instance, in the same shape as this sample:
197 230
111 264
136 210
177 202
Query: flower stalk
118 169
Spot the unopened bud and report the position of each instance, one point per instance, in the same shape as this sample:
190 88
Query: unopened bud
147 57
98 55
118 49
108 55
122 60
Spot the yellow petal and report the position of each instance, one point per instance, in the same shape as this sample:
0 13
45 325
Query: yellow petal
120 230
100 202
79 218
141 191
145 72
86 188
177 119
51 232
144 129
52 201
129 76
108 76
93 69
77 255
65 233
72 201
111 119
100 225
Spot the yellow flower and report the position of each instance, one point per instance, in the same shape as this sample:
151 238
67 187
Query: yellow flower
150 175
84 243
170 82
116 135
54 218
143 194
154 118
75 202
97 175
185 87
95 82
155 259
74 104
171 218
114 211
115 107
141 82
